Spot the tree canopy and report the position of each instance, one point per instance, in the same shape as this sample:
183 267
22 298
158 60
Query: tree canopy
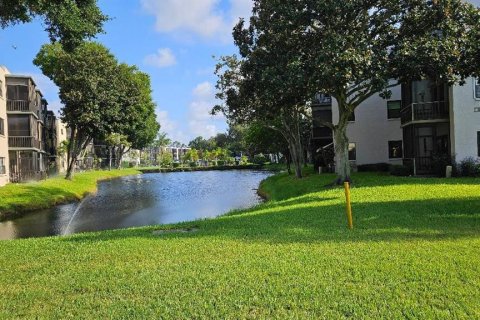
66 21
101 97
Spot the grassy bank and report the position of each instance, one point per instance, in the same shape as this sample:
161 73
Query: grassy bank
414 253
19 198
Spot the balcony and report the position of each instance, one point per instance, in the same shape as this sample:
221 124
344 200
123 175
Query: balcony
20 106
24 142
425 112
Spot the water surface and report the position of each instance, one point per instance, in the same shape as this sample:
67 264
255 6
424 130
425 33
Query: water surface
147 199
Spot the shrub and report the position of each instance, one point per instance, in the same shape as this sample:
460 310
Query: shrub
220 163
401 170
260 159
193 164
176 164
374 167
440 163
469 167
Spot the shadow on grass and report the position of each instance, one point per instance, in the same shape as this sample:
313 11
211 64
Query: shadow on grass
314 222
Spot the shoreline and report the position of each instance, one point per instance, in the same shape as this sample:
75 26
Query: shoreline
19 199
210 168
60 190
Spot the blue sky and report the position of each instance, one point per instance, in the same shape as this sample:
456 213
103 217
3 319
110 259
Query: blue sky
172 40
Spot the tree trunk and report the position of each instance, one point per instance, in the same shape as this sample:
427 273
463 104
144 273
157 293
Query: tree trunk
110 158
289 161
122 150
296 153
342 164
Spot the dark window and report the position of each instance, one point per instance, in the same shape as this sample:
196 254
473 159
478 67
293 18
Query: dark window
395 149
17 92
2 126
1 88
477 88
2 166
18 125
478 143
393 109
352 151
351 117
324 115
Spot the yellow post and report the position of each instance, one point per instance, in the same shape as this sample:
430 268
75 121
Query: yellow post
349 206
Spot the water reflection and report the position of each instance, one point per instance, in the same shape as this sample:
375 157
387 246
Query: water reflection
144 200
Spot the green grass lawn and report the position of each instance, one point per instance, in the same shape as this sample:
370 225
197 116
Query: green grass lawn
20 197
414 253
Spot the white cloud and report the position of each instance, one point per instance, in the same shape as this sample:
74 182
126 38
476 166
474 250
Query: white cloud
200 121
170 126
204 18
203 91
162 59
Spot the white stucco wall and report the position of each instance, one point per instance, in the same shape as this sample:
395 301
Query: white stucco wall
4 138
465 121
61 131
372 129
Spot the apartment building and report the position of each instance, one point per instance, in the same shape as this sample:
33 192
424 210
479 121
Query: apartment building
26 112
56 134
4 170
420 121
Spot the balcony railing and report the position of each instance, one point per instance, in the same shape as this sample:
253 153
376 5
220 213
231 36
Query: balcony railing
422 111
20 105
24 142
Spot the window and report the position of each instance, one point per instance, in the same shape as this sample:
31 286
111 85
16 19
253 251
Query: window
18 126
351 117
19 92
2 127
2 166
477 88
1 88
393 109
478 143
395 150
352 151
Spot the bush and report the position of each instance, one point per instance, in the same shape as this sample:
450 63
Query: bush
469 167
244 160
176 164
374 167
193 164
220 163
440 163
260 159
401 170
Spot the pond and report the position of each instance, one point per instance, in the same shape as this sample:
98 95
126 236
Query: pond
142 200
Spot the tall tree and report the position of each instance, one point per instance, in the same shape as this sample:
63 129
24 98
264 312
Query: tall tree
67 21
263 86
136 120
84 77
